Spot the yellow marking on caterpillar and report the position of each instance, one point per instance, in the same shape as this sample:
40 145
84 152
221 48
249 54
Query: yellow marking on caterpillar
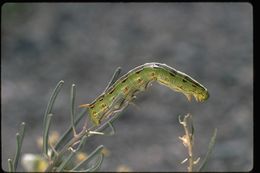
123 91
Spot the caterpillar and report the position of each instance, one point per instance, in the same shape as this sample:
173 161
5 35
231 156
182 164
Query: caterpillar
124 90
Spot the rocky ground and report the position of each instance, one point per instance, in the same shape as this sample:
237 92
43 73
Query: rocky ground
84 43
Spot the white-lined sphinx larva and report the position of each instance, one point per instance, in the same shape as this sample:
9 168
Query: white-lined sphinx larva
118 96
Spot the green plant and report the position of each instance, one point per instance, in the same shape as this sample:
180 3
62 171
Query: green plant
60 156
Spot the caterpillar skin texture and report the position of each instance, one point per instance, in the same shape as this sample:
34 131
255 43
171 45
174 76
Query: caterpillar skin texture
123 91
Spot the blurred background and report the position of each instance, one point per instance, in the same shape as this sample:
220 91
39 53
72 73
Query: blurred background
83 43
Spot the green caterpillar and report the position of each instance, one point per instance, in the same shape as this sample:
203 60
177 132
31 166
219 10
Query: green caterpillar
124 90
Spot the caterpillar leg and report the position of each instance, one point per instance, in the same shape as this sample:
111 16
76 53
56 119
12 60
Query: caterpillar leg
189 96
118 105
111 112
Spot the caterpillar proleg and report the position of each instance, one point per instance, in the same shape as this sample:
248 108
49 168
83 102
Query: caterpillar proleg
124 90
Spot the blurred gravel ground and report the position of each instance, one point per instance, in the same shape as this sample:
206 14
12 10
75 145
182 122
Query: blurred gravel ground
84 43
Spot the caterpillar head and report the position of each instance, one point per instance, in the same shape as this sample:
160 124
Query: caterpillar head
203 96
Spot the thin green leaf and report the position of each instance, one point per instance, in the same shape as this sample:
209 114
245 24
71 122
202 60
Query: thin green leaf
93 167
52 100
97 165
10 165
210 147
91 156
17 153
50 106
46 134
72 110
115 117
19 141
22 130
114 78
82 143
65 162
113 131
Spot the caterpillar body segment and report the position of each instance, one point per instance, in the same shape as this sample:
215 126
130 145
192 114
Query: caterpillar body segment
124 90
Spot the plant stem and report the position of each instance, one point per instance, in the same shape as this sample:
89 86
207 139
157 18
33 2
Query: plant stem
71 143
187 140
64 149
